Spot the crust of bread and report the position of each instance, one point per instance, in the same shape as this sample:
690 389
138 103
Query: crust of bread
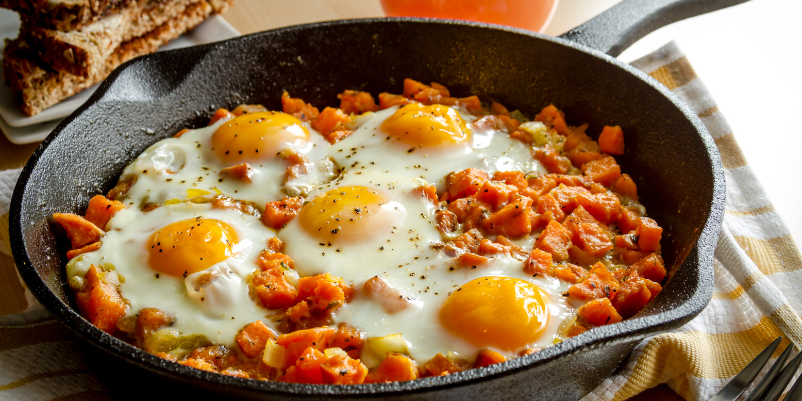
40 87
67 15
83 52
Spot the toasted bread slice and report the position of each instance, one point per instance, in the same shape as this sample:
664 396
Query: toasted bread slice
84 51
67 15
41 87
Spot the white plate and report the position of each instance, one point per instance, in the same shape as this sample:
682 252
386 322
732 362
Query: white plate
20 129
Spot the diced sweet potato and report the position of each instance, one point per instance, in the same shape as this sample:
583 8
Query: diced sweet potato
180 133
120 189
552 161
323 292
249 109
553 118
499 109
513 220
387 100
298 108
273 289
275 245
628 220
338 135
572 180
579 157
569 272
539 262
567 196
599 312
626 186
391 299
600 283
357 102
495 193
148 321
270 260
100 302
442 365
279 213
329 120
634 294
241 172
428 192
575 330
468 242
446 221
349 339
220 114
465 183
603 206
101 210
298 341
488 247
79 230
253 337
540 184
605 171
394 368
548 207
84 249
515 251
201 365
488 357
514 178
341 369
651 267
587 233
471 259
649 234
556 240
309 363
611 140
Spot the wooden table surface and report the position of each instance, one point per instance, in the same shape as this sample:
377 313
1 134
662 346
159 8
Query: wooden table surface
249 16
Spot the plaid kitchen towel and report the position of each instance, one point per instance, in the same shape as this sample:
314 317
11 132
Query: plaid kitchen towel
754 301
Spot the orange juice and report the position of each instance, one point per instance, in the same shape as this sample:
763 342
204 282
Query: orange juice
528 14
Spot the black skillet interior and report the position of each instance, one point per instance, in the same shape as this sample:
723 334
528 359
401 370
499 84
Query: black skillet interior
669 153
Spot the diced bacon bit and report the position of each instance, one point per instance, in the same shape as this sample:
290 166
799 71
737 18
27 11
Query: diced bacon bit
499 109
387 100
394 368
79 230
465 183
554 119
330 120
552 161
100 210
442 365
220 114
200 365
253 337
241 172
391 299
298 341
244 207
148 321
600 283
488 357
275 245
471 259
429 192
298 108
249 109
100 302
539 262
120 189
569 272
556 240
180 133
357 102
611 140
349 339
605 171
649 234
598 312
84 249
651 267
634 294
279 213
496 193
626 186
446 221
513 220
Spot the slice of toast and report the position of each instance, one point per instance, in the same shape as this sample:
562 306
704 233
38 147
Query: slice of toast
83 52
67 15
40 87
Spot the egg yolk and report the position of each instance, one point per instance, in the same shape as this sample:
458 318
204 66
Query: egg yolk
433 125
350 214
189 246
257 136
502 312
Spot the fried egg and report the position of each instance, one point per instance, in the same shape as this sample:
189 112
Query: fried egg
194 164
188 260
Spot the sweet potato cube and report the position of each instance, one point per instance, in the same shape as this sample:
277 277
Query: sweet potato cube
341 369
604 171
603 206
279 213
599 312
495 193
298 108
387 100
548 207
556 240
626 186
357 102
100 302
649 234
273 289
441 365
84 249
552 161
513 220
394 368
465 183
79 230
628 220
253 337
567 196
241 172
541 184
600 283
569 272
634 294
553 118
611 140
297 342
220 114
539 262
580 157
651 267
349 339
514 178
101 210
488 357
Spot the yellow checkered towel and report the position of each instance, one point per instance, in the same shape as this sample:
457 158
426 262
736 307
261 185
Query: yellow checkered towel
756 265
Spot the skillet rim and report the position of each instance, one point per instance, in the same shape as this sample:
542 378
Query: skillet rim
625 331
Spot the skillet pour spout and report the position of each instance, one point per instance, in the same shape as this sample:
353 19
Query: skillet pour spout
670 155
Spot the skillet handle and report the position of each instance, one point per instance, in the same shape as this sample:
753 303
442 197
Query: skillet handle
622 25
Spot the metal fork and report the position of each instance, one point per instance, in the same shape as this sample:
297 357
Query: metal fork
773 383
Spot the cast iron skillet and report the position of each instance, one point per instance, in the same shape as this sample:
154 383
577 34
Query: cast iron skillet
669 152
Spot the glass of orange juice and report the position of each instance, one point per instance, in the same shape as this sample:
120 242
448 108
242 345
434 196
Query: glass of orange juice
527 14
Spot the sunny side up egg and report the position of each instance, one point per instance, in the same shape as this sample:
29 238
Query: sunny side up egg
188 260
194 164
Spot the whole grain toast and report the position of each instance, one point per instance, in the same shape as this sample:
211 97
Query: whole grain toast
67 15
40 86
83 52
